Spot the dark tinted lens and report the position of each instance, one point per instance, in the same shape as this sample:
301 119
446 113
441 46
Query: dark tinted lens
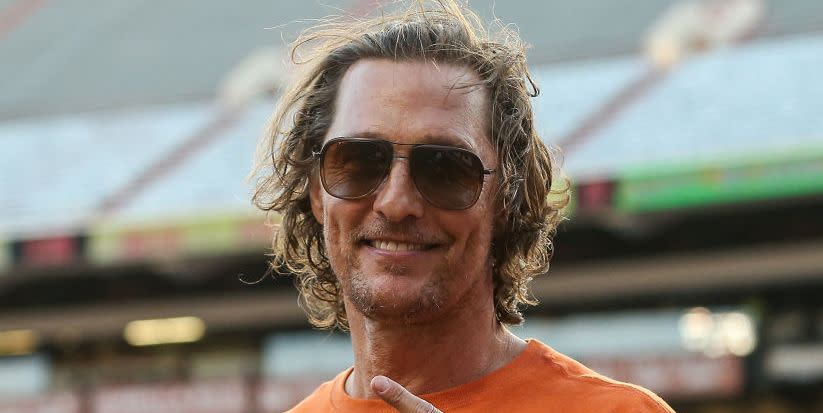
449 178
353 169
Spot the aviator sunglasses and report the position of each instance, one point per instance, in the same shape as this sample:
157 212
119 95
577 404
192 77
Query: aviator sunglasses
446 176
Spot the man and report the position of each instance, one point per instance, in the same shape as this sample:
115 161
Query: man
415 201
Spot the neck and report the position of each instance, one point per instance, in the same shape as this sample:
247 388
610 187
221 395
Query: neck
429 357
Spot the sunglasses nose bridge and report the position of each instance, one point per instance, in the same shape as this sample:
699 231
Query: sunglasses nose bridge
397 196
397 155
391 170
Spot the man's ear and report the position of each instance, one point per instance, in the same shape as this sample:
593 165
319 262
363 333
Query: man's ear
316 198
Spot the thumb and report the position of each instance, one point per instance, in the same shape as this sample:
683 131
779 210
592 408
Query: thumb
400 398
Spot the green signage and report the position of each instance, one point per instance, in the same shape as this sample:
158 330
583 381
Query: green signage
684 186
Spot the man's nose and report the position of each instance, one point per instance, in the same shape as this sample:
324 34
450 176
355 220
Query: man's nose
398 198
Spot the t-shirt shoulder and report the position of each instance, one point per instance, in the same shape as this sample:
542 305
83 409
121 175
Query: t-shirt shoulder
318 401
594 389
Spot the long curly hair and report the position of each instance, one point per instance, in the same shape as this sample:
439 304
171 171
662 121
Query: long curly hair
440 32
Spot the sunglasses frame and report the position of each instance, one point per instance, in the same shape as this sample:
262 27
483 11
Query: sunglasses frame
320 155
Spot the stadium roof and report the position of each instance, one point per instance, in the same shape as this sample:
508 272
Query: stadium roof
65 56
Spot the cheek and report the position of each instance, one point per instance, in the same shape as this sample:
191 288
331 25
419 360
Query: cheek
332 223
481 240
340 223
334 234
474 239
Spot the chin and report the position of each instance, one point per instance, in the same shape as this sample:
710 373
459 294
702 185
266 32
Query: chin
407 304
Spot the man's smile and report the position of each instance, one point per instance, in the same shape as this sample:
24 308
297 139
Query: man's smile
387 245
395 245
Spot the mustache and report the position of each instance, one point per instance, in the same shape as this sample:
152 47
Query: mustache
408 230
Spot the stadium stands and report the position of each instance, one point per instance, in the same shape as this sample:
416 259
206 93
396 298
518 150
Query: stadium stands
123 196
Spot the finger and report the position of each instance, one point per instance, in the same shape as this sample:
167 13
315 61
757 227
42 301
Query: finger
400 398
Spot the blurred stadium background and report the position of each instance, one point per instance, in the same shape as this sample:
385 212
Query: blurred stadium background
693 262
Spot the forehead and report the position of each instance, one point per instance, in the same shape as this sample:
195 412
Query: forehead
412 102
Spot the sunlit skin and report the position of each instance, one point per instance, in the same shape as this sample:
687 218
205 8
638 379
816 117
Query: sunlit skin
425 317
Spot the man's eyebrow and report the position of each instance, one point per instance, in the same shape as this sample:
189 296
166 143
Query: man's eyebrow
435 139
367 135
447 140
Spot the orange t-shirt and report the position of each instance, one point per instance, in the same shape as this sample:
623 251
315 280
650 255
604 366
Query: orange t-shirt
538 380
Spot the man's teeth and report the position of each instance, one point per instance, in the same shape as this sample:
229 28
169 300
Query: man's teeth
397 246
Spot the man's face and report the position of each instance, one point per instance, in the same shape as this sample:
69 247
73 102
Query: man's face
445 259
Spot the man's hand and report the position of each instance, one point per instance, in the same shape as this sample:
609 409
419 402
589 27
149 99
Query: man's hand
400 398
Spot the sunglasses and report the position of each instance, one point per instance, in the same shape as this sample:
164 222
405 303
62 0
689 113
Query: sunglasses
446 176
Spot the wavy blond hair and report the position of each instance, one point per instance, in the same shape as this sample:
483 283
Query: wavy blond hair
440 32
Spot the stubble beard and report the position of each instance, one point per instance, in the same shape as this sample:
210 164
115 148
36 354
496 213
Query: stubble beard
380 305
